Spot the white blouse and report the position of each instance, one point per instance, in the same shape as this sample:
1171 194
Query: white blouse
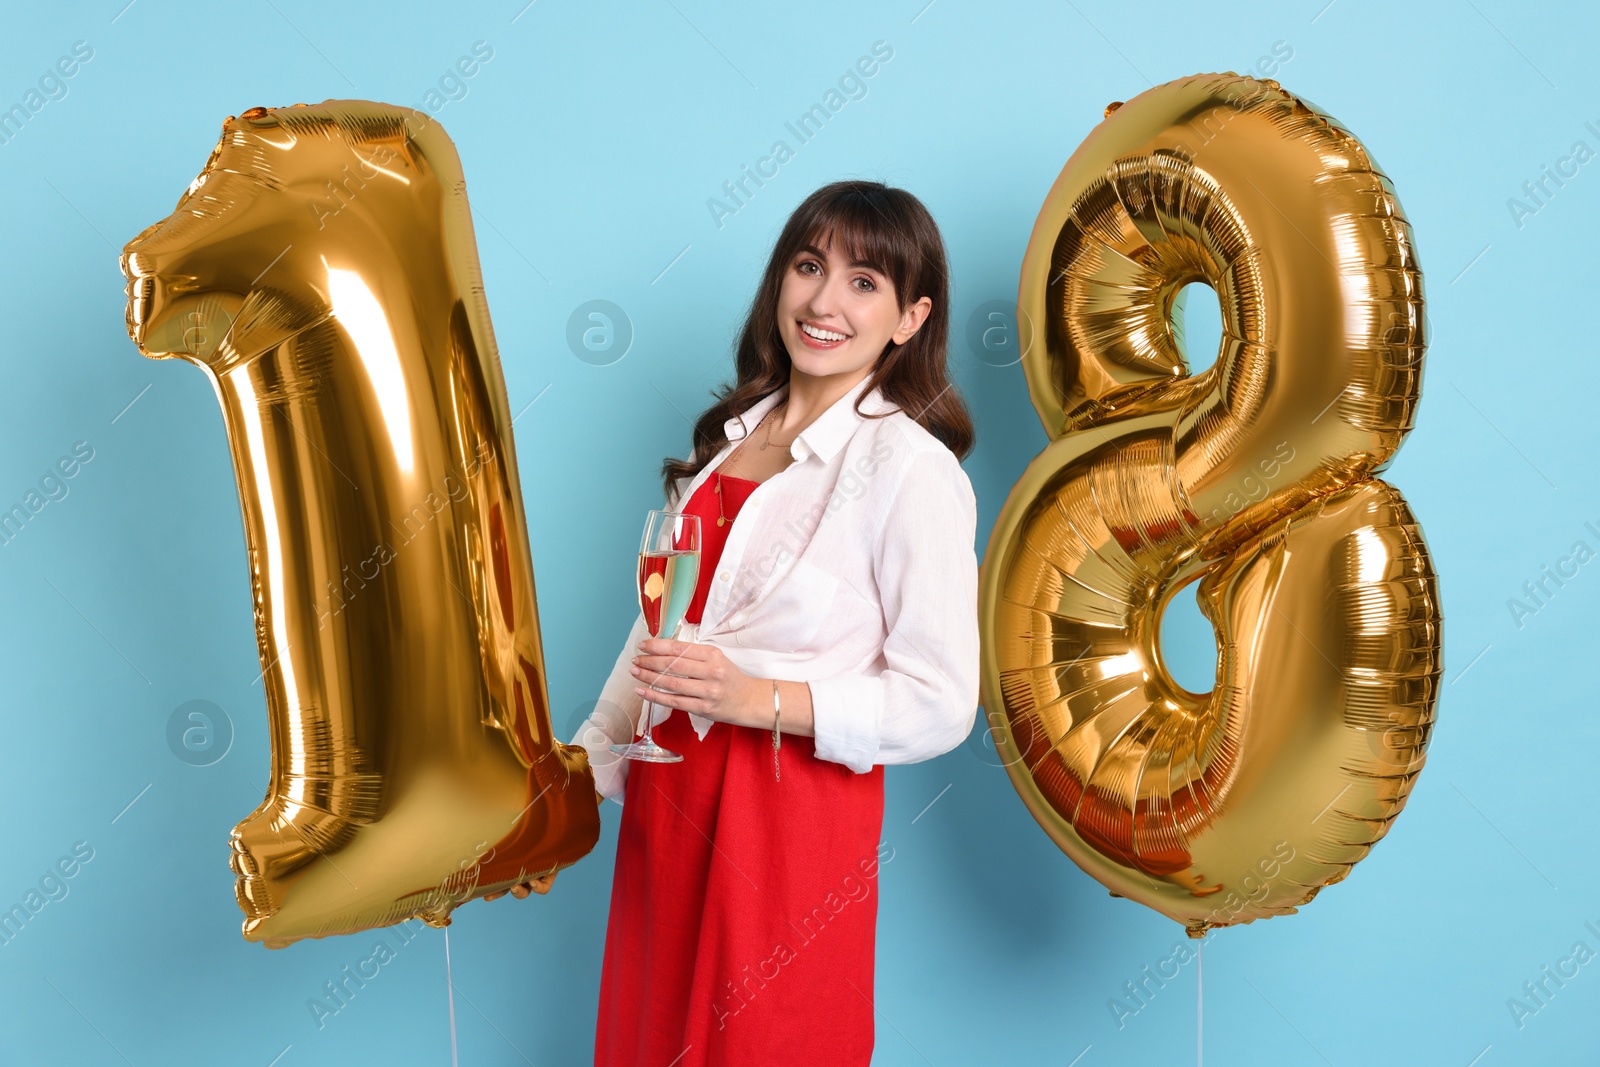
854 570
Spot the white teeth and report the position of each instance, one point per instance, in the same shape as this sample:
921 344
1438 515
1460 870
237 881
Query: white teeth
821 335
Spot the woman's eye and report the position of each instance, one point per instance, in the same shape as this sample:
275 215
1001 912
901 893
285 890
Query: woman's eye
867 282
801 267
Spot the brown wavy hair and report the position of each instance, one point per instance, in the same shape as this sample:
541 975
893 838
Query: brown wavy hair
891 230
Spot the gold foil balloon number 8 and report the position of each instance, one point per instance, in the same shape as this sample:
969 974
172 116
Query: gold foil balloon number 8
1254 477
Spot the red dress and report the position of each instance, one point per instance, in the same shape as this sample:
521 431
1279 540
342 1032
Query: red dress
743 909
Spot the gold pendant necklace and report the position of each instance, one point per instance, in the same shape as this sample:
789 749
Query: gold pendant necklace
722 518
763 445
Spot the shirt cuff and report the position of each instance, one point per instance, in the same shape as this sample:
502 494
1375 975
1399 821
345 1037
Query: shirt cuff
610 770
846 710
614 719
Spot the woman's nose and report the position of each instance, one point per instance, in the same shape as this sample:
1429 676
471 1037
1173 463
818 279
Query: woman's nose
826 300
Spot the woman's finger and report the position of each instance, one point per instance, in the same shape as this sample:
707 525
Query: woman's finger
690 665
682 668
523 886
681 700
669 650
689 685
673 698
676 684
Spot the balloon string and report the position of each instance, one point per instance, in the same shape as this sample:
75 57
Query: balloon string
1200 1003
450 985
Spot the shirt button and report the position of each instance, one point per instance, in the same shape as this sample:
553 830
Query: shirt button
724 575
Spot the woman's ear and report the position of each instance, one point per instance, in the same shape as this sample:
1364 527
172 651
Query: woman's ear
911 320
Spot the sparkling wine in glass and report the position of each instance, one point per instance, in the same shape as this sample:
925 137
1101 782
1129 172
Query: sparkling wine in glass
669 569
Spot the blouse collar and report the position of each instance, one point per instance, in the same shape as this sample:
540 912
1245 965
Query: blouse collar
829 431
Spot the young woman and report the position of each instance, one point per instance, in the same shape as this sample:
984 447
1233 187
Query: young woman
833 630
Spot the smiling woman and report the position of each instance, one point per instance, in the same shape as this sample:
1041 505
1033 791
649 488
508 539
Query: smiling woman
833 631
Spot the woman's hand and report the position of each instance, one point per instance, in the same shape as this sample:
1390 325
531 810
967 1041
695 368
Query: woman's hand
699 678
522 889
537 885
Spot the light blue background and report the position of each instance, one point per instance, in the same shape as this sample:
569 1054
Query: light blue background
591 142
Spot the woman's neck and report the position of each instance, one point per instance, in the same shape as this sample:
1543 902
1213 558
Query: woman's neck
808 397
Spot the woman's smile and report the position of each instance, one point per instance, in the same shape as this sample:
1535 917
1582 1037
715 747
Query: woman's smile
815 335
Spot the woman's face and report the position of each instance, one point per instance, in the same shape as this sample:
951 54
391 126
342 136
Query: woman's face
836 318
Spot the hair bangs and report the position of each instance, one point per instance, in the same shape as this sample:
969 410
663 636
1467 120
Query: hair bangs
881 228
867 234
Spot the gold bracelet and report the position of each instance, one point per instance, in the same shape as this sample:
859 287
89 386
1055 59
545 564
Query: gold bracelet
777 776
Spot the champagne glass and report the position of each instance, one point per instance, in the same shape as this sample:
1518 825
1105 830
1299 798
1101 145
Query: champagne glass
669 570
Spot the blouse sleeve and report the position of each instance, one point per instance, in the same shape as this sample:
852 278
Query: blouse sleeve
615 717
923 700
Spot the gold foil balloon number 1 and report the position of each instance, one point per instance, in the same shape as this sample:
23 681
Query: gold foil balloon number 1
1254 477
322 271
